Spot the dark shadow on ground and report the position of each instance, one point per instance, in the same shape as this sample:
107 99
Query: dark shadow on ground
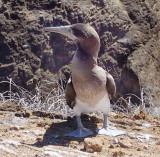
54 135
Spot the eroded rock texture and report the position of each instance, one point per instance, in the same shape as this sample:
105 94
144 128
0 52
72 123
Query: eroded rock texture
129 33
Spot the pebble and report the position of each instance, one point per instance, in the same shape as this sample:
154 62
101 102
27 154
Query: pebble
74 142
39 139
141 115
25 46
158 143
14 127
89 150
26 131
93 144
145 147
21 114
96 119
115 141
111 146
141 137
138 149
38 133
144 137
146 125
137 128
46 126
118 154
124 144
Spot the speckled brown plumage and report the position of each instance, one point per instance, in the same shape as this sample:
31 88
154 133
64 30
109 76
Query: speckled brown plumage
90 87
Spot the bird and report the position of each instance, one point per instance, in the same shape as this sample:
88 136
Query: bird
90 88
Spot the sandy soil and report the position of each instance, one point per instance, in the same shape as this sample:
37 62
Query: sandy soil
26 133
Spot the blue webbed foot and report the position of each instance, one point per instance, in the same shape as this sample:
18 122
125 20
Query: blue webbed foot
80 132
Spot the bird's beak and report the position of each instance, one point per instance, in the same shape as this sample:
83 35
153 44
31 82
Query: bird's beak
64 30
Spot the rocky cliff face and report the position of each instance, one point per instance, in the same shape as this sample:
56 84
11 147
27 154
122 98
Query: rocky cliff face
129 33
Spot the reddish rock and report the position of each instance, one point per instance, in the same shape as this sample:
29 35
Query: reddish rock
93 144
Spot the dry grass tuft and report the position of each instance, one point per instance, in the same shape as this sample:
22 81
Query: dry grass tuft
48 96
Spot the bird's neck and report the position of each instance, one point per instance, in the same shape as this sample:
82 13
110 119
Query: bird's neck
85 58
87 51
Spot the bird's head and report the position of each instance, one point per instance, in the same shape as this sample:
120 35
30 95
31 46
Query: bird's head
84 35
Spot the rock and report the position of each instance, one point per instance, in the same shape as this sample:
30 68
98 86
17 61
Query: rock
118 154
124 144
38 133
8 151
144 137
140 115
89 150
146 125
138 123
39 139
25 114
137 128
74 142
8 142
26 131
46 126
93 144
111 146
138 149
18 114
63 152
145 147
15 127
96 119
158 143
115 141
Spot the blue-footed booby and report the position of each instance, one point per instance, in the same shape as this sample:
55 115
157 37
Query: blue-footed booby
90 87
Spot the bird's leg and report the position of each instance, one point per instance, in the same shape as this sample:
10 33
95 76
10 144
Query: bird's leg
105 122
106 130
81 131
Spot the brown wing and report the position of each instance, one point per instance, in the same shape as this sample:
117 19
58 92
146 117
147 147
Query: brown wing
110 86
70 94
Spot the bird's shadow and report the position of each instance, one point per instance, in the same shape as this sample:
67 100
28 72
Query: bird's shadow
55 134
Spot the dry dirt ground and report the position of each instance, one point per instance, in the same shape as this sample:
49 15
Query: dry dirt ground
28 133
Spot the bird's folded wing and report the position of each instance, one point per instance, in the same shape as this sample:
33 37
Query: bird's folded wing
70 94
110 86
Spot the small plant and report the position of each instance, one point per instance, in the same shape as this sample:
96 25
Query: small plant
48 96
146 104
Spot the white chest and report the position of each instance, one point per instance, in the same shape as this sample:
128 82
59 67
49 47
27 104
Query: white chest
102 105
